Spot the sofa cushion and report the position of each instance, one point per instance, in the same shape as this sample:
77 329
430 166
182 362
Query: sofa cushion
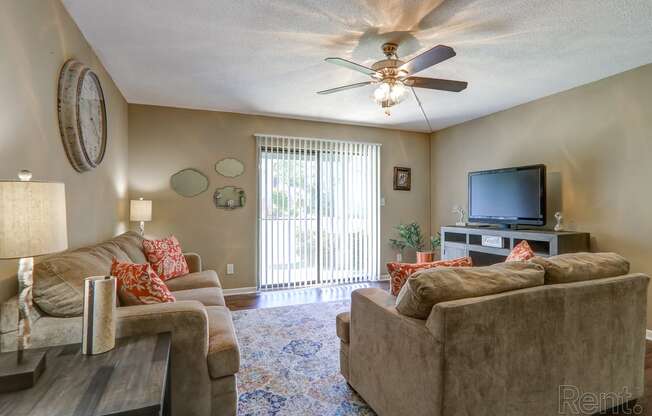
59 280
521 252
109 250
9 315
132 244
343 325
209 296
166 257
223 349
206 278
47 331
426 288
399 272
576 267
138 284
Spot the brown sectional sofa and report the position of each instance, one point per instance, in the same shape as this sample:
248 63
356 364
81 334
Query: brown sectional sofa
205 352
500 354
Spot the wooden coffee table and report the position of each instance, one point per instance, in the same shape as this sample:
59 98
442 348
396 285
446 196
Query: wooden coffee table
132 379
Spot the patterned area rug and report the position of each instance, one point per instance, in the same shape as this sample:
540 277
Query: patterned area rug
290 362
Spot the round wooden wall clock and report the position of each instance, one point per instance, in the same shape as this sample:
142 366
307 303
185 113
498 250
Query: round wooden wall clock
82 116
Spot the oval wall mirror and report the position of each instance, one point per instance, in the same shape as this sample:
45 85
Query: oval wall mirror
229 167
189 182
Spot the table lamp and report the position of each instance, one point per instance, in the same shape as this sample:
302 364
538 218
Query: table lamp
140 210
32 223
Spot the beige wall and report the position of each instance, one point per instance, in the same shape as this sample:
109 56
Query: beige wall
164 140
596 141
36 38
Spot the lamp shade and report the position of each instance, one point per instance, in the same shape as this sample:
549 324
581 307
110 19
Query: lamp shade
140 210
32 218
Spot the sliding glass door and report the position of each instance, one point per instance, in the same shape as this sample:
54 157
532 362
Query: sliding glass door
318 212
287 216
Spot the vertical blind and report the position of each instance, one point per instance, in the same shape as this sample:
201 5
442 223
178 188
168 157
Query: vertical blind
318 212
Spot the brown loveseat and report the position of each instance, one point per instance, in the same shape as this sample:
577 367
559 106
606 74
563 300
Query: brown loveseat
204 346
505 354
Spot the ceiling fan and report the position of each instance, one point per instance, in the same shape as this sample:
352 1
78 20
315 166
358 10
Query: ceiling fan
393 76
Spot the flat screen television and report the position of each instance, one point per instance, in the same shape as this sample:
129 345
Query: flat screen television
510 196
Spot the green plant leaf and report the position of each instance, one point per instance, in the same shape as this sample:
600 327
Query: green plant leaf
435 241
410 236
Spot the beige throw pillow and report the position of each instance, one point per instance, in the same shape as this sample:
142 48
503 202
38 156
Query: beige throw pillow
424 289
576 267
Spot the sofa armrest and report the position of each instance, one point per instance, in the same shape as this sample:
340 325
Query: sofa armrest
187 316
194 262
393 359
188 323
342 326
377 303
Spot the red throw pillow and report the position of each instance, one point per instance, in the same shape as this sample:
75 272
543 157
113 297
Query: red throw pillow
166 257
138 284
399 272
520 252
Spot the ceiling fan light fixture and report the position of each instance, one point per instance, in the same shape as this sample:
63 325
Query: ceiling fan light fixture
389 93
395 78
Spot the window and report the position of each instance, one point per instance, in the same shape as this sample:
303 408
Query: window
318 212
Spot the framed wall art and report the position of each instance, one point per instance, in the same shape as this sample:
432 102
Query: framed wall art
402 179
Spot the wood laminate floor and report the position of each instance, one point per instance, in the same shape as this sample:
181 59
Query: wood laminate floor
333 293
277 298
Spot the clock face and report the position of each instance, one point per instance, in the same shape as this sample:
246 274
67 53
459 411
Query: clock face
82 116
91 118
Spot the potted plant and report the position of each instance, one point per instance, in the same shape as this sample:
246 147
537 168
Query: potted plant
435 244
410 236
429 256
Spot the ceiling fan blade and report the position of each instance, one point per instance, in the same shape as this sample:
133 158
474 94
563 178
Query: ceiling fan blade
344 88
436 84
351 65
427 59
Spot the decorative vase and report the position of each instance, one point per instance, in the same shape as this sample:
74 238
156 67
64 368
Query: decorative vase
399 257
424 256
98 330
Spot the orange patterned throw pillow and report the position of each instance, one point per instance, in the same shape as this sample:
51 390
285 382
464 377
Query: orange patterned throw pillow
166 257
138 284
400 272
520 252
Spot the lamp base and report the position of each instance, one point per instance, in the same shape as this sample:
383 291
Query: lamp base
15 375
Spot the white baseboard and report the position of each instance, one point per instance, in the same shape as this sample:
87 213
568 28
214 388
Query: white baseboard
648 334
238 291
383 277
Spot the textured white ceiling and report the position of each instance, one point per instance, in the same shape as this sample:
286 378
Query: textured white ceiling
266 56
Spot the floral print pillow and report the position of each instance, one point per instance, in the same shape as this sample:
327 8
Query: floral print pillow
400 272
520 252
138 284
166 257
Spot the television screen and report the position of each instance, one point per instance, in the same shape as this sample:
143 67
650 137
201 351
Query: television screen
509 196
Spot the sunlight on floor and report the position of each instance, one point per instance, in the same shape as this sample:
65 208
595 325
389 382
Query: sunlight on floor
302 296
